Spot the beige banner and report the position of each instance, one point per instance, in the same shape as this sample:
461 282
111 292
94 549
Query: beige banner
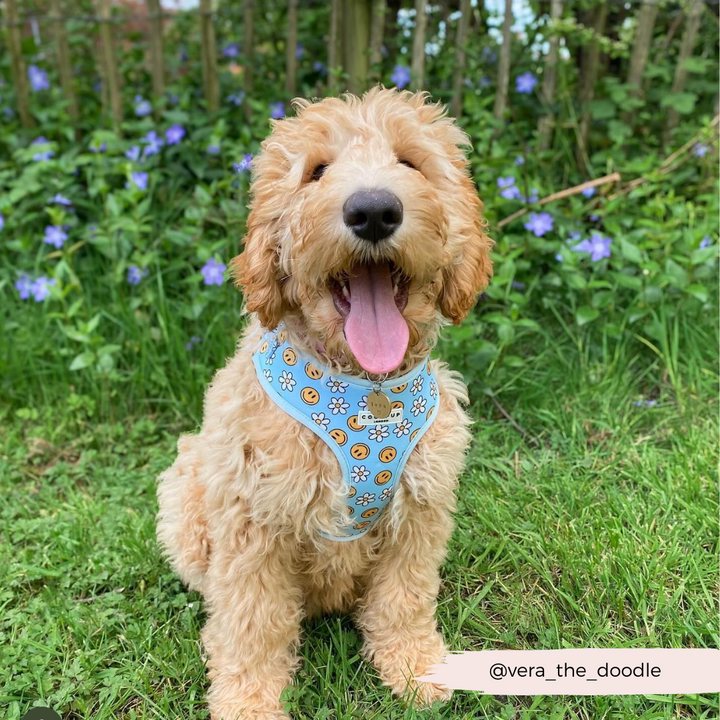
580 672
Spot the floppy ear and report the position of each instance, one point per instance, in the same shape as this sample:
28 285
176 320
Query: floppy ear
256 272
471 269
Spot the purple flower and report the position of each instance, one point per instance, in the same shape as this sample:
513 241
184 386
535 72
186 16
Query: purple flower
55 236
532 197
23 285
173 99
2 221
139 179
38 78
299 50
509 190
484 81
46 154
319 67
588 192
597 245
511 193
136 274
174 134
133 153
559 257
244 165
525 83
400 76
519 160
60 200
646 403
213 150
540 223
40 288
705 242
700 150
573 237
184 57
194 340
142 106
515 285
594 217
277 110
101 148
488 55
236 98
232 50
154 143
212 272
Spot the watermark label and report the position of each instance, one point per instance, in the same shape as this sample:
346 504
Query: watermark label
633 671
41 713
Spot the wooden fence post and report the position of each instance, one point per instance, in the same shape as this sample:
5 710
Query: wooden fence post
641 49
64 60
157 59
19 72
686 50
504 64
248 53
110 66
377 30
547 93
417 70
356 43
209 56
588 76
334 68
291 48
459 76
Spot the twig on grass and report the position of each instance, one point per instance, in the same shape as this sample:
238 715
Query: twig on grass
561 194
514 423
667 164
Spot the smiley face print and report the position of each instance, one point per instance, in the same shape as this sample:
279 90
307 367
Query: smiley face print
359 451
310 396
387 454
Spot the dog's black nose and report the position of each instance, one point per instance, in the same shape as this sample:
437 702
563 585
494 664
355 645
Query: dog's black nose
373 214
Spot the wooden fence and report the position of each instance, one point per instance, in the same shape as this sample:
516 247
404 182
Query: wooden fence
354 42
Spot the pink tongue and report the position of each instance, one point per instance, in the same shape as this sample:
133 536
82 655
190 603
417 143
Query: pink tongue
375 329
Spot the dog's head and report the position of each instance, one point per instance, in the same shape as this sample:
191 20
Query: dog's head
365 229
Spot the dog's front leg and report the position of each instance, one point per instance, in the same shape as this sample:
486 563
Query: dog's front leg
255 608
397 614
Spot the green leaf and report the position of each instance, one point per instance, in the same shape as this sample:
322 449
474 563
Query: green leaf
698 291
586 314
602 109
630 251
684 102
82 360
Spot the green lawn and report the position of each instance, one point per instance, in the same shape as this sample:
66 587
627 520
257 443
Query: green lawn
598 527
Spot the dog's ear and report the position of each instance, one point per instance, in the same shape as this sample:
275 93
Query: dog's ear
256 272
471 269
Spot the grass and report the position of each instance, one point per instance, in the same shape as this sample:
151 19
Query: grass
603 534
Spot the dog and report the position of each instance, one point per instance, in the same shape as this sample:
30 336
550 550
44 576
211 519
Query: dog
365 236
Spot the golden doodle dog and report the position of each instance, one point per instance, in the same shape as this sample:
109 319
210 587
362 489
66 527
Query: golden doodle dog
323 476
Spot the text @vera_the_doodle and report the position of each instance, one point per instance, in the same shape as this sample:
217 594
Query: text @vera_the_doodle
588 671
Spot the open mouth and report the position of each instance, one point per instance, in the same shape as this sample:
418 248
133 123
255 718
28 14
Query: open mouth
371 298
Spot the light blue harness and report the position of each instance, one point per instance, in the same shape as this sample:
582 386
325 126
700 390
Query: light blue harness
372 452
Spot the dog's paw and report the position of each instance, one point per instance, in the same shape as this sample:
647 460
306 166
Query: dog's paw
246 714
424 694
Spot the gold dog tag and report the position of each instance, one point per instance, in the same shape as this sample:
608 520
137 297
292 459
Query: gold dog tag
378 403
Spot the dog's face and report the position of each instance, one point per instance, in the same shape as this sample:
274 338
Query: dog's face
365 229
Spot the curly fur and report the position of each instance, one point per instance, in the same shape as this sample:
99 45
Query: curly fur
241 507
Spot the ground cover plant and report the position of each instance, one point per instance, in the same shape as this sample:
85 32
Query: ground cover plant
588 514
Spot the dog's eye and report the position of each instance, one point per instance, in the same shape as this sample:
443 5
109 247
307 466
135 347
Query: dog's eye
407 163
318 172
